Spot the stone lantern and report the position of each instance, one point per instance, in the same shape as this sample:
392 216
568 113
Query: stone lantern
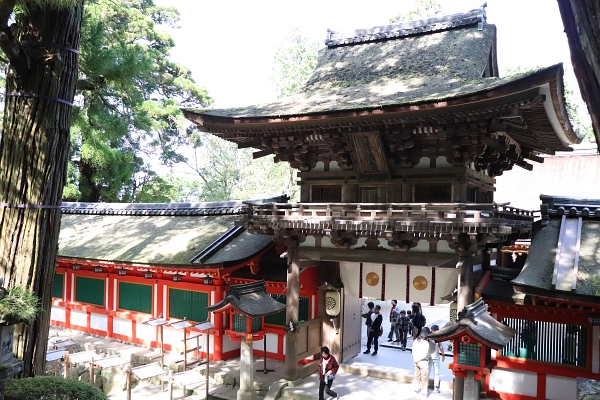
247 305
473 336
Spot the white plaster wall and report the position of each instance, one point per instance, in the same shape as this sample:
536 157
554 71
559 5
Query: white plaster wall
229 345
99 322
395 282
173 336
58 314
446 280
145 332
271 344
122 327
514 382
78 318
560 388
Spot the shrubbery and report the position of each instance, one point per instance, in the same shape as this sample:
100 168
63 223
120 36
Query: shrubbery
50 388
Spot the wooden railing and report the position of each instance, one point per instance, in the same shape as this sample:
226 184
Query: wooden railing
414 212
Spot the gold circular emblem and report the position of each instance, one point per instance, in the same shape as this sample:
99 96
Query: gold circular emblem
420 282
372 279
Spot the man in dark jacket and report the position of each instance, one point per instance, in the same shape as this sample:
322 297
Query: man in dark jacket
374 331
328 367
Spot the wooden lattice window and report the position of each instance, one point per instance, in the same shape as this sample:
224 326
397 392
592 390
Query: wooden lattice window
552 342
469 353
239 323
189 304
58 285
433 193
89 290
279 318
326 194
135 297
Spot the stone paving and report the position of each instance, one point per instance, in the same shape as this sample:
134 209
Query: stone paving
385 376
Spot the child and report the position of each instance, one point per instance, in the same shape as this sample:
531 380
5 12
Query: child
403 328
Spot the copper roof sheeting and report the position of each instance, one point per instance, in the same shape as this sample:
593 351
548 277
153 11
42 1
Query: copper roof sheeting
538 274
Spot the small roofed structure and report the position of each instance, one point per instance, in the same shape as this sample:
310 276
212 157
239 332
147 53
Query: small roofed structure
253 302
563 259
249 299
474 334
476 321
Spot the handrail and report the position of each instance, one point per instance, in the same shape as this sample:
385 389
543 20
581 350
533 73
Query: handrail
412 211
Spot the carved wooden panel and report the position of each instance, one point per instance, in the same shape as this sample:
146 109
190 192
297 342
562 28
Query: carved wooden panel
368 154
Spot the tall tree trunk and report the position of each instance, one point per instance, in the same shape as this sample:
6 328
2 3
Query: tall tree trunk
40 87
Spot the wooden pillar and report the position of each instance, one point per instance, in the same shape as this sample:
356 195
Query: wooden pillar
246 391
292 313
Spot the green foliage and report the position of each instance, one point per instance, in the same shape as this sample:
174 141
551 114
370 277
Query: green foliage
19 305
295 59
420 9
129 95
51 388
170 188
231 173
580 121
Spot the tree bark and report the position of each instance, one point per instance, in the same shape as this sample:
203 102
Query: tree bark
34 148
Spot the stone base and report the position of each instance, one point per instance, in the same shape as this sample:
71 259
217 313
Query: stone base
246 395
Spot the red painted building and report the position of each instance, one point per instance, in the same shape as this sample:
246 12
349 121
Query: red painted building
121 264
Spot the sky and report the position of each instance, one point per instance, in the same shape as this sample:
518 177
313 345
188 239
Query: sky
229 45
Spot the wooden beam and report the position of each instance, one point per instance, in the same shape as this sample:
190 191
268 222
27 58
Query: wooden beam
262 153
252 143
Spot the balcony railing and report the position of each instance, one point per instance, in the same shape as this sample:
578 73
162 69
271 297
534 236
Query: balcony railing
430 217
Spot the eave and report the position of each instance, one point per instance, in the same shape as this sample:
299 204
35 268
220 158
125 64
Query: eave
487 103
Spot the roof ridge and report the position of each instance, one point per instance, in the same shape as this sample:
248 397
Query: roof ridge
407 28
166 209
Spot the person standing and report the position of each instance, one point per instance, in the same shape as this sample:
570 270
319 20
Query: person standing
420 353
437 353
403 327
394 315
374 330
328 367
418 319
367 317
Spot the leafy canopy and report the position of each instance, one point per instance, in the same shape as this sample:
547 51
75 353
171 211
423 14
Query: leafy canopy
129 94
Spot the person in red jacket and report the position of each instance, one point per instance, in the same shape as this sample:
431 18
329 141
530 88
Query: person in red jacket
328 367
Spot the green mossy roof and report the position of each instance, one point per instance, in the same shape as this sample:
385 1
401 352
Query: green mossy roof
539 267
429 67
140 239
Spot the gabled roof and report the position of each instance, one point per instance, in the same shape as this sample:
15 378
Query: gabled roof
563 258
169 234
476 321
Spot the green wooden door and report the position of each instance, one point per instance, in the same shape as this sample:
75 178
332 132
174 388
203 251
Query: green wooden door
189 304
89 290
135 297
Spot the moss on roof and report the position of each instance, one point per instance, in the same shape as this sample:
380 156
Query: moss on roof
461 53
428 67
140 239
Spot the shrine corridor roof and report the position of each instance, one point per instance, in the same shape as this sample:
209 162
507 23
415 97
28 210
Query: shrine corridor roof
166 234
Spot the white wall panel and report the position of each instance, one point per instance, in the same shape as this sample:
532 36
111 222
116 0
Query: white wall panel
145 332
560 387
99 322
372 290
78 318
514 382
395 282
58 314
229 345
350 274
122 327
